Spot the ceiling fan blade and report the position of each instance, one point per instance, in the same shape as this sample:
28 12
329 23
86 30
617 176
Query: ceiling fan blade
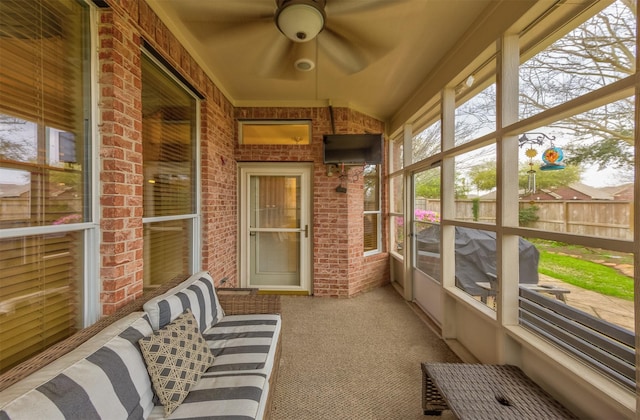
343 50
340 7
277 60
226 11
230 29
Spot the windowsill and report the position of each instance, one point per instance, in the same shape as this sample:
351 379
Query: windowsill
472 303
589 378
372 253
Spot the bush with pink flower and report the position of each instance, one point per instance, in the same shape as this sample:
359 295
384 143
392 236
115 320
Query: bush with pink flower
419 215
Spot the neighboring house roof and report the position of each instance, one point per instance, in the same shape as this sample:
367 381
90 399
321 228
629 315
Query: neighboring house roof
622 192
593 192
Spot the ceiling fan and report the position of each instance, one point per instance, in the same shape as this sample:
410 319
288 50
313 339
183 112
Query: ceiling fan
298 23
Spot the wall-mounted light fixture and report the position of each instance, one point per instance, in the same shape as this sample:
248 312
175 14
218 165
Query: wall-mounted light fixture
344 174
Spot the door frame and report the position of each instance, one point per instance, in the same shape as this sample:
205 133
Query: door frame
305 171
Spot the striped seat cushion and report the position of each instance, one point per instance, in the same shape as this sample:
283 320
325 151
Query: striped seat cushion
222 396
196 293
244 343
105 377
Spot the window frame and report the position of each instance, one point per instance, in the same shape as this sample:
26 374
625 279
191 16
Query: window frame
511 50
378 213
195 241
89 305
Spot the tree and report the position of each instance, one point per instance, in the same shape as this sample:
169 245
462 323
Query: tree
16 140
549 179
427 184
483 176
597 53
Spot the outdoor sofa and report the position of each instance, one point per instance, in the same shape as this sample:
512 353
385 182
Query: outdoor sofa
187 352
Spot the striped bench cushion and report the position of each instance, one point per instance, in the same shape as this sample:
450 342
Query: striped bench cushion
222 396
244 343
105 377
196 293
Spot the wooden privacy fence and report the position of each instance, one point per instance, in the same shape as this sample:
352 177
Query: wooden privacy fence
608 219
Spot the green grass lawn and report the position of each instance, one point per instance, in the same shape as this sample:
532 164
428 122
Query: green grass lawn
586 274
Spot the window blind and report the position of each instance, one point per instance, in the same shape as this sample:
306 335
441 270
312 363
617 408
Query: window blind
39 293
371 207
169 165
166 251
42 172
169 147
40 43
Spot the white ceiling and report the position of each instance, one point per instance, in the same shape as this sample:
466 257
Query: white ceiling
402 40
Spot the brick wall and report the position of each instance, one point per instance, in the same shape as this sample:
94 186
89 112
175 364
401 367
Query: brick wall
120 162
339 266
123 28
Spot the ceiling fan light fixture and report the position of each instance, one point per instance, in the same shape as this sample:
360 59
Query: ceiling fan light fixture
304 64
300 22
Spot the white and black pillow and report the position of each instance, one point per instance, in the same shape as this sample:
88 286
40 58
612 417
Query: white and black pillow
197 293
176 356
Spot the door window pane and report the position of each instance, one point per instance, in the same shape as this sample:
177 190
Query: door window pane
275 231
426 222
276 202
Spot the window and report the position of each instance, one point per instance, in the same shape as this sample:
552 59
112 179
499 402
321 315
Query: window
576 190
170 165
597 53
540 194
396 154
275 132
396 218
372 221
427 142
475 185
477 116
44 174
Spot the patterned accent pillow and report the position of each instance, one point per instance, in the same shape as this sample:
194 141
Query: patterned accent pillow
176 356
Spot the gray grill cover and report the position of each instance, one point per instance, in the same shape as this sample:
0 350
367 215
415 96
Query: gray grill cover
476 256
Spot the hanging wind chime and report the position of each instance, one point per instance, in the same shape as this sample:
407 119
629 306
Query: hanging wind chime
551 157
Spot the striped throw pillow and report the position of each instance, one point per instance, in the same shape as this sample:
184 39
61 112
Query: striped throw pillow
197 293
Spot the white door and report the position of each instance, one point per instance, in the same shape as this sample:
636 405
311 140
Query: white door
275 231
